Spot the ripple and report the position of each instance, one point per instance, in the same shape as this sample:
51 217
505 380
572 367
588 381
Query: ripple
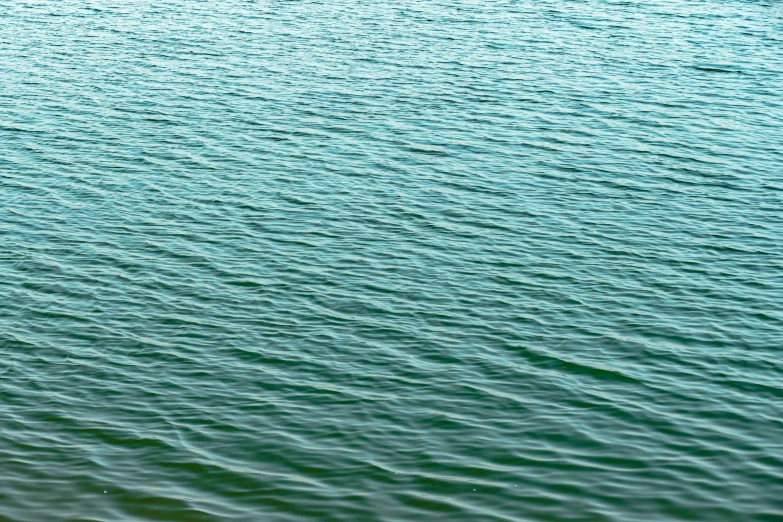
397 261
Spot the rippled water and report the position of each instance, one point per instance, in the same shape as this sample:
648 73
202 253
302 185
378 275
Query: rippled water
398 261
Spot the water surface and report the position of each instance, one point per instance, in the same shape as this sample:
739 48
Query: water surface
391 261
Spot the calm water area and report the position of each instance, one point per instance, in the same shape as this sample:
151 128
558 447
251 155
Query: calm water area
399 261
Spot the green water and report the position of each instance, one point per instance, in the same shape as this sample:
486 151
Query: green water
391 261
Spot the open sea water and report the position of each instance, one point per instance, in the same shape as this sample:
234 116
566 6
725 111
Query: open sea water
406 260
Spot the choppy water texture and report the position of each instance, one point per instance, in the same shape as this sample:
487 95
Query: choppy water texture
391 261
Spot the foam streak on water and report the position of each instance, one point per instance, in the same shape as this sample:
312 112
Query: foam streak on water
391 261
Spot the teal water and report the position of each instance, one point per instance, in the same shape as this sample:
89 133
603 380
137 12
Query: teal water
391 261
